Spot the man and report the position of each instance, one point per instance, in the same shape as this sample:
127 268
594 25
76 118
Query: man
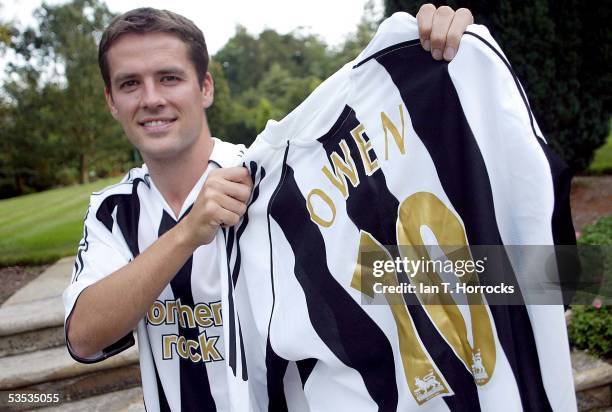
147 260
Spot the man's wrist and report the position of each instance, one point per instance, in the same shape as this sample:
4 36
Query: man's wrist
185 236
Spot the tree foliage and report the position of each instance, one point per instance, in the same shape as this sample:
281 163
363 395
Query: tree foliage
28 163
6 30
562 53
270 74
55 128
68 35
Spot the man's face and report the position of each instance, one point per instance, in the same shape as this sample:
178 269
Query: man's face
155 94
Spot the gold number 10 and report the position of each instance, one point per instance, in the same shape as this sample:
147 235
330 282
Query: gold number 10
422 375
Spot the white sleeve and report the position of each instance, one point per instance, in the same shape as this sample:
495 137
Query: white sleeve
100 253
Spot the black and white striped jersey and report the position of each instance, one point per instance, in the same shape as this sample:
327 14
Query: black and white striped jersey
395 149
180 341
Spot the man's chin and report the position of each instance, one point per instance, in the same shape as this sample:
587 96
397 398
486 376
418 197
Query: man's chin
161 153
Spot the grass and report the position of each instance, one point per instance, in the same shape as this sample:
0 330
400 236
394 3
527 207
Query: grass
42 227
602 162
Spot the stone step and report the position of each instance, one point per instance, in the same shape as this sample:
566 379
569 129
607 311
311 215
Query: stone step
49 284
31 326
31 316
119 398
53 364
129 400
31 341
593 382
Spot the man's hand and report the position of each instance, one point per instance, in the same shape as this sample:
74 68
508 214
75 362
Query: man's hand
221 203
440 30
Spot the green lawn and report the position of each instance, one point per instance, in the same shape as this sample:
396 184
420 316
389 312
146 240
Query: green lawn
602 163
43 227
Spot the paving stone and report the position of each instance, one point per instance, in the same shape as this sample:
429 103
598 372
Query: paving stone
589 372
31 341
69 391
50 283
92 384
53 364
129 400
598 399
29 316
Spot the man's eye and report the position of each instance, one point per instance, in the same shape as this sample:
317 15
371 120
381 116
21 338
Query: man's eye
128 84
169 79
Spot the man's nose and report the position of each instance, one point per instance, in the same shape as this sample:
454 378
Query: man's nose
151 98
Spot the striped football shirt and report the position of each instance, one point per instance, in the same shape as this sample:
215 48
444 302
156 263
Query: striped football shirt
395 149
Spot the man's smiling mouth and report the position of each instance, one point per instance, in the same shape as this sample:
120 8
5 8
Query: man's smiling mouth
156 122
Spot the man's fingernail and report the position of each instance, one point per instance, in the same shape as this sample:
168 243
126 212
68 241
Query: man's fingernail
449 53
427 45
437 54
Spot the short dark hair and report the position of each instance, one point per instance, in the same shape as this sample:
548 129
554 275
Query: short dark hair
150 20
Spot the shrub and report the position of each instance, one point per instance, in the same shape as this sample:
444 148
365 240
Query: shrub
591 329
598 234
591 325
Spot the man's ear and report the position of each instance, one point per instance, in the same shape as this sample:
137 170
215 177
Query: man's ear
110 103
208 91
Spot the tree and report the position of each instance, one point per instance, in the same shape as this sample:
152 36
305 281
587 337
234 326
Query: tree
5 31
263 112
358 40
66 39
219 114
562 53
241 61
69 33
30 155
246 59
7 183
270 74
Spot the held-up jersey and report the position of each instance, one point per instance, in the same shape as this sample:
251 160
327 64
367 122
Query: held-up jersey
180 341
395 149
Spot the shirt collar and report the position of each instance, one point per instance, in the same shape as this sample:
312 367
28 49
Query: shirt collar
226 154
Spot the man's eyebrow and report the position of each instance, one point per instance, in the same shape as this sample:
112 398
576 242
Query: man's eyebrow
121 77
171 70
